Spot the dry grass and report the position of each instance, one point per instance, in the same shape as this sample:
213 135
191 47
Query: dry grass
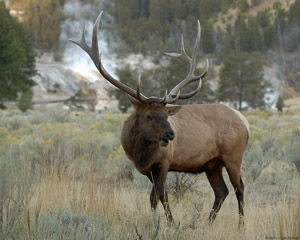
84 187
127 206
292 103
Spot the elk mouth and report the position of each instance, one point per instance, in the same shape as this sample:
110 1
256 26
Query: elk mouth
163 142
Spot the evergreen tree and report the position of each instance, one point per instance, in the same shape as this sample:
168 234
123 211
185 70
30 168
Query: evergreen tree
254 38
293 14
280 24
241 80
240 34
242 5
16 58
280 104
128 77
42 18
267 29
293 32
207 36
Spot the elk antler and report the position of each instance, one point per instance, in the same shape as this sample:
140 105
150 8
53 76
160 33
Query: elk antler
192 61
174 95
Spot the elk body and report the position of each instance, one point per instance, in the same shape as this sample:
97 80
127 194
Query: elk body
159 137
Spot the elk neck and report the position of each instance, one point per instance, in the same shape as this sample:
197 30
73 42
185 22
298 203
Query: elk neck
139 150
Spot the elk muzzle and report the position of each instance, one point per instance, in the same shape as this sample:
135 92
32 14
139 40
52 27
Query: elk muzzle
169 136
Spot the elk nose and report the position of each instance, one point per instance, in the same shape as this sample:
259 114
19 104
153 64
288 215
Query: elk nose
170 135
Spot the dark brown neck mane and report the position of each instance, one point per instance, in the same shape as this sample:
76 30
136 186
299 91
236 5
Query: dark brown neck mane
140 150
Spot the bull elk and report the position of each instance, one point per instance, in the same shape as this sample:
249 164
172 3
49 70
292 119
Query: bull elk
159 137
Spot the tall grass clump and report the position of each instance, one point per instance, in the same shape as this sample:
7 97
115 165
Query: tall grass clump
16 182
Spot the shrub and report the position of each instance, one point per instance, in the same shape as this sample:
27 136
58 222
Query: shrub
291 151
254 161
182 183
15 122
57 114
25 102
64 224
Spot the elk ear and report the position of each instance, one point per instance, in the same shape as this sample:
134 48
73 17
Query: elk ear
172 110
136 103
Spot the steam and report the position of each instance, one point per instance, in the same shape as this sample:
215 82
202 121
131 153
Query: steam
273 75
78 15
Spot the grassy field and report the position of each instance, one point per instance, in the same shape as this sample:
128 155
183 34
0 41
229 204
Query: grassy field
65 176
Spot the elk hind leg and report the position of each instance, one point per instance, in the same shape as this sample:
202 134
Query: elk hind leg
217 183
238 185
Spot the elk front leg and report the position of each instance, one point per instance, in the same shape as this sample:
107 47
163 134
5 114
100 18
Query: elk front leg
158 177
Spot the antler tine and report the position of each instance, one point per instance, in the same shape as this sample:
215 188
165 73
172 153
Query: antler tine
196 46
172 100
183 55
138 92
205 71
95 48
165 97
93 51
158 100
200 77
190 76
193 93
82 42
193 62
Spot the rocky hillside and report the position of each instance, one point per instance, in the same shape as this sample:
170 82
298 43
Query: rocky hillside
57 83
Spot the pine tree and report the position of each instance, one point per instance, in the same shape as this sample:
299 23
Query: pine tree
241 80
280 104
17 64
42 18
266 27
242 5
129 78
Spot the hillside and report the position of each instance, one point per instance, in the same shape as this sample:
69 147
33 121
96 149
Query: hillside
230 16
132 27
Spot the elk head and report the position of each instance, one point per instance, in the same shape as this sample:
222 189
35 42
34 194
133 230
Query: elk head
153 122
152 112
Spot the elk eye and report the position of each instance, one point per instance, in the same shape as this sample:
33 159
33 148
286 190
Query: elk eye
148 117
